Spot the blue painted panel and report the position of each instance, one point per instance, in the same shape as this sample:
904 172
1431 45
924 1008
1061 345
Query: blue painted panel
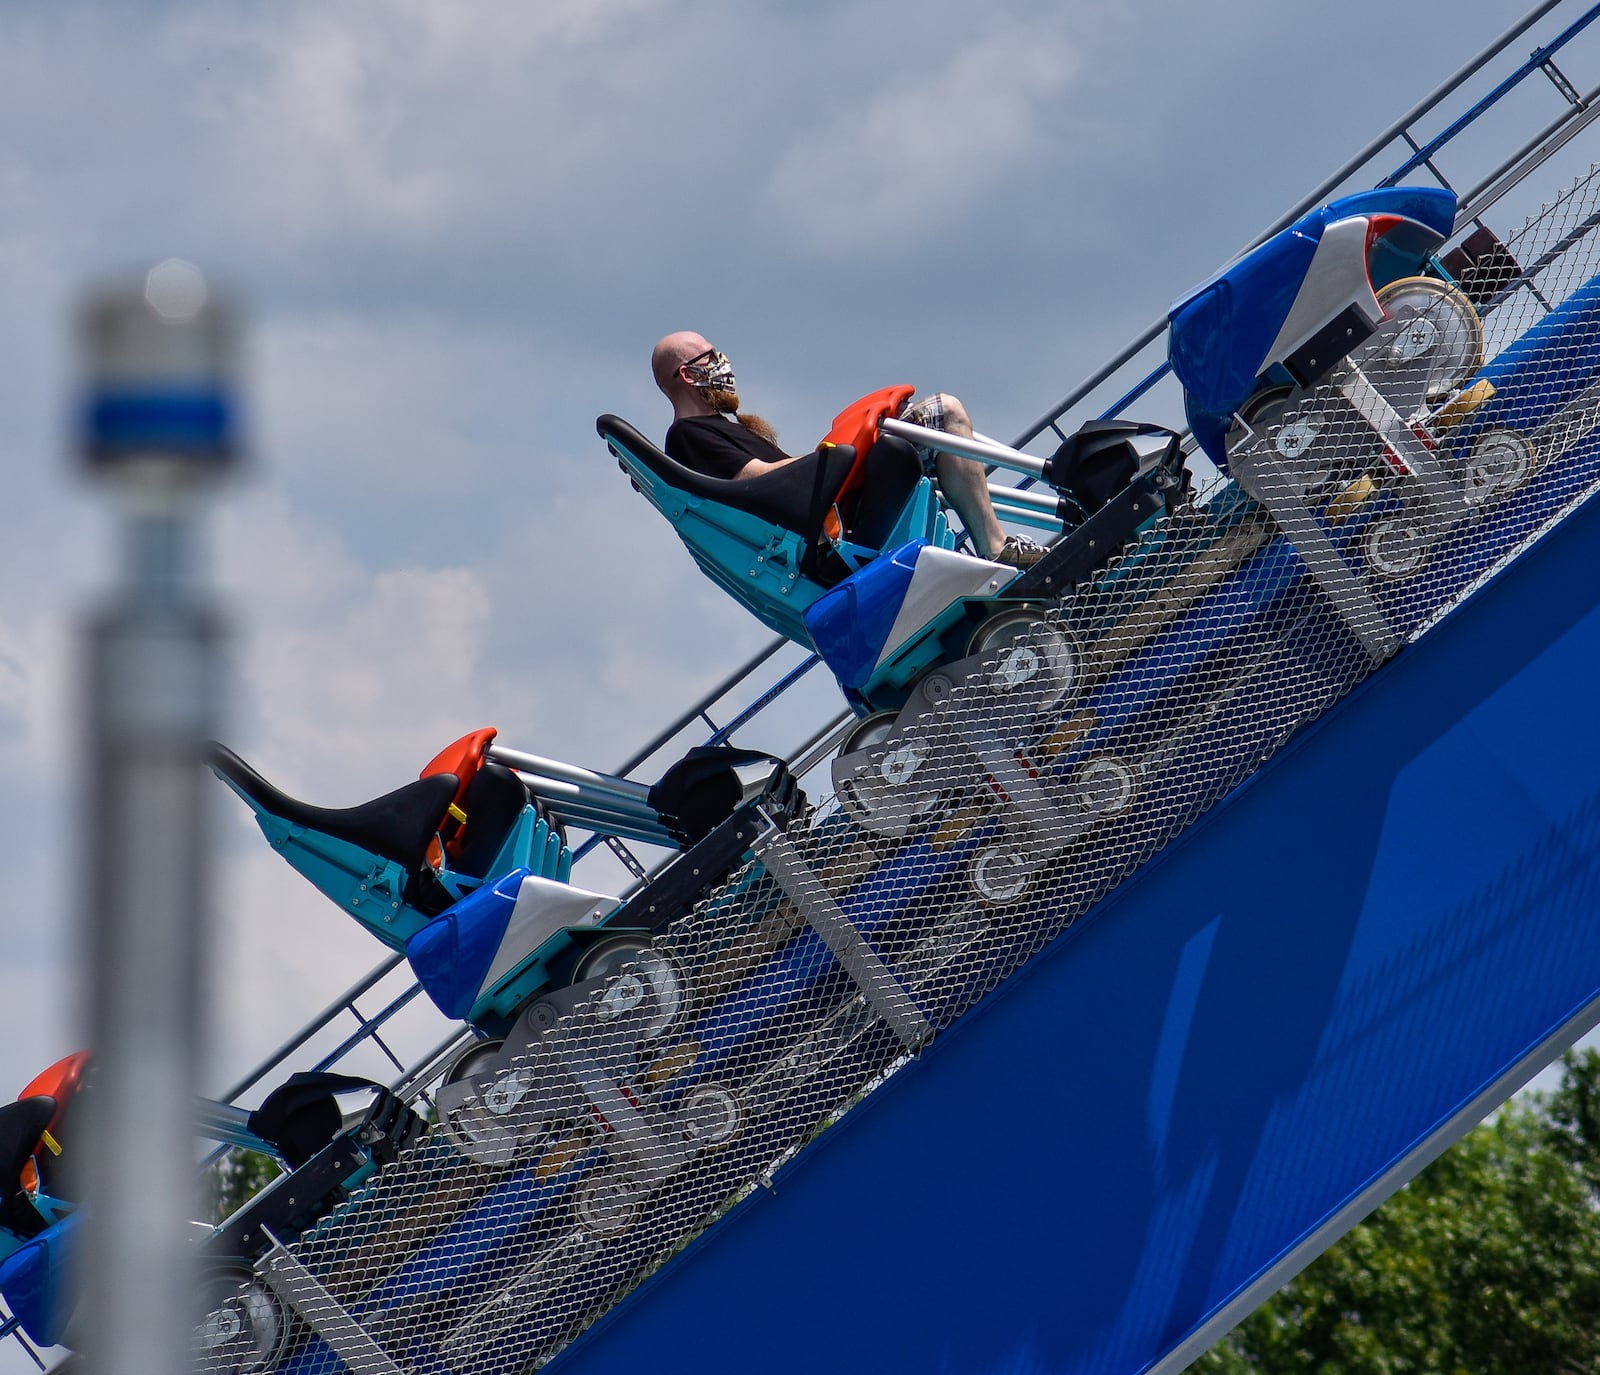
1247 1035
849 624
32 1281
453 954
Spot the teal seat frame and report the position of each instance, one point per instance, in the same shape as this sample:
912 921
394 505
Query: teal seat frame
761 565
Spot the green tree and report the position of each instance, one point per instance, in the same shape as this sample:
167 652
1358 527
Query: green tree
233 1180
1488 1263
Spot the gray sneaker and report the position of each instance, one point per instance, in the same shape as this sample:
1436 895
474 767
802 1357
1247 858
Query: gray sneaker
1019 552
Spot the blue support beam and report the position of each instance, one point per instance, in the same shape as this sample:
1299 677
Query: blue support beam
1236 1056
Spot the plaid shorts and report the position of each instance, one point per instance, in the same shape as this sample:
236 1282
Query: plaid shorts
929 413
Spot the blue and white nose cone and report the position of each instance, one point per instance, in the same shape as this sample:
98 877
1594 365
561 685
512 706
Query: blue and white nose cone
858 625
467 950
161 374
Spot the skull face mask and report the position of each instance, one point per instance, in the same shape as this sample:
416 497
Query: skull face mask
711 371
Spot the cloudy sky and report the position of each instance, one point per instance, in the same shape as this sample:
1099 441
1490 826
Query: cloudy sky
459 228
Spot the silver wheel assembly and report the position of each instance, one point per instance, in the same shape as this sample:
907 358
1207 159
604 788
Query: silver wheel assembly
1296 436
709 1116
246 1330
1106 784
1034 655
642 983
1431 341
481 1120
1499 461
607 1203
1394 547
1001 873
884 792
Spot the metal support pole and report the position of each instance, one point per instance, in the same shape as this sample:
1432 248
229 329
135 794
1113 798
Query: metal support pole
984 450
562 796
569 773
158 420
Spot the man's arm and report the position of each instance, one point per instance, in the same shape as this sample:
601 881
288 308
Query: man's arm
755 466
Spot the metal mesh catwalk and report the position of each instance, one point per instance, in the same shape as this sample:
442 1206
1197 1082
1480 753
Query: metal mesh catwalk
1093 733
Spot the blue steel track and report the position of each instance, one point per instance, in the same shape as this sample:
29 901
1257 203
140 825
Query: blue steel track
1239 1052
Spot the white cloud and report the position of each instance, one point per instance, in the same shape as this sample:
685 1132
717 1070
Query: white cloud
281 952
920 149
391 124
347 673
363 408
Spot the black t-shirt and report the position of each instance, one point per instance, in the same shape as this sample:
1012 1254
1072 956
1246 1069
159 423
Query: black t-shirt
715 446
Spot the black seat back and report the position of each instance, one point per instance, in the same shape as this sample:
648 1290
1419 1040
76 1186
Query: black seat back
398 826
892 473
493 802
21 1125
796 496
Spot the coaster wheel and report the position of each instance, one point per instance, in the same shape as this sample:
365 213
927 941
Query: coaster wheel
246 1327
608 1203
1499 461
1395 547
474 1127
641 981
1000 874
1107 784
1430 342
888 796
1034 652
710 1116
1308 435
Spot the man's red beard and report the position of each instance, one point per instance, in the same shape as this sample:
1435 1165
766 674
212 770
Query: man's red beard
727 403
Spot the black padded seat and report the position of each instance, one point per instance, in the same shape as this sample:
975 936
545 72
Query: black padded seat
21 1125
398 826
796 496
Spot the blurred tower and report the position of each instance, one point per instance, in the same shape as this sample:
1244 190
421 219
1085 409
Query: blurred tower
158 426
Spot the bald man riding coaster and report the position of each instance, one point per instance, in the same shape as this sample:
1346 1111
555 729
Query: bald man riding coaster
710 435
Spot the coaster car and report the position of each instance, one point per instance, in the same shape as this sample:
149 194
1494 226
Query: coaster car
466 871
328 1152
848 551
870 579
1286 313
1339 366
1338 354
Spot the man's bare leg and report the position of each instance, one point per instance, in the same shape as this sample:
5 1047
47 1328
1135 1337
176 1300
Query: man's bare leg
965 485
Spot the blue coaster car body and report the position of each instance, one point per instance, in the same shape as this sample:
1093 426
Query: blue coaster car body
467 872
1288 310
34 1282
484 956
